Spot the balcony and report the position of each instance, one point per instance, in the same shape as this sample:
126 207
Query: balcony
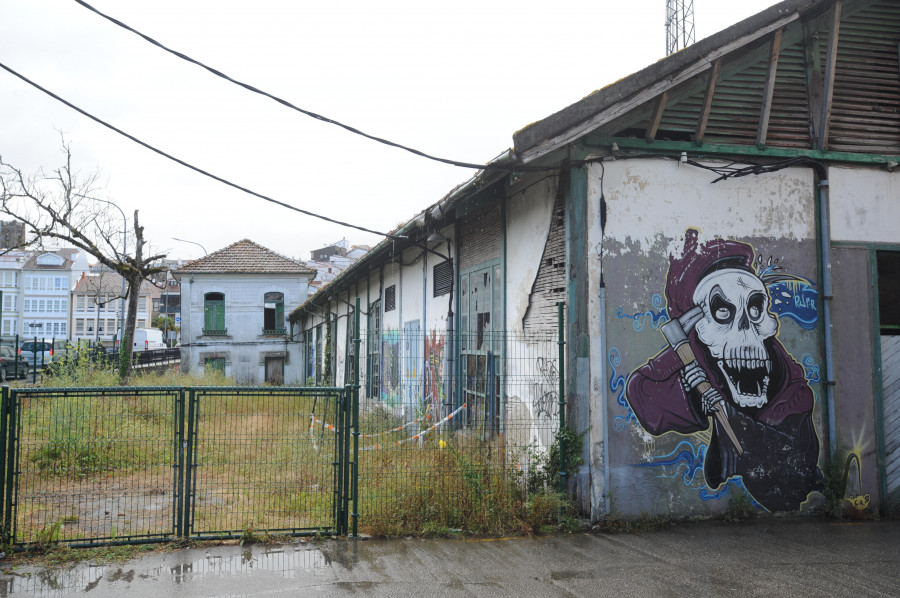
274 331
215 332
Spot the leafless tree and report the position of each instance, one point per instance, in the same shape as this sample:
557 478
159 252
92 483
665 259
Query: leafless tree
61 205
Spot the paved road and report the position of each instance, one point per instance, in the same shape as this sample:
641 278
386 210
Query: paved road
795 558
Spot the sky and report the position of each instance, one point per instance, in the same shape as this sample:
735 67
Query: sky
452 79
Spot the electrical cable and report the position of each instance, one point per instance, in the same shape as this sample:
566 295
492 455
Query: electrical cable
309 113
196 168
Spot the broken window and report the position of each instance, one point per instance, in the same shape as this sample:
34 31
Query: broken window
273 313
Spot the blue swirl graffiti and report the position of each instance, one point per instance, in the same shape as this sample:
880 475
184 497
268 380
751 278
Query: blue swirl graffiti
688 454
692 457
810 367
617 385
796 299
656 318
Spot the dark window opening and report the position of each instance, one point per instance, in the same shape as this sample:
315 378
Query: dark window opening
889 291
273 313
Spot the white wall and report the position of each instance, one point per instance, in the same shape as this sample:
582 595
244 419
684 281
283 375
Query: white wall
865 205
245 345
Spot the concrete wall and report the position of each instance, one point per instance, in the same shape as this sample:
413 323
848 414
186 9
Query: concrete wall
244 348
664 456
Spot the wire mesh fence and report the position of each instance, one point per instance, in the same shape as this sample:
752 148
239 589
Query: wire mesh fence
101 465
456 431
93 465
262 459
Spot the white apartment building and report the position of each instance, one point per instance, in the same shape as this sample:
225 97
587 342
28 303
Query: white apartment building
96 308
10 286
48 279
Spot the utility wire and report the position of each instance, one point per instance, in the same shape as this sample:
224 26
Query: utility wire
195 168
309 113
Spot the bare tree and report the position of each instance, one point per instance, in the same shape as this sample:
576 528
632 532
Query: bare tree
61 205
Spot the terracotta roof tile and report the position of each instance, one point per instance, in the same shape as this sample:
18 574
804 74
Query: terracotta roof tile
245 257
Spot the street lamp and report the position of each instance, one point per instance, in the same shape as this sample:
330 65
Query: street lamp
193 243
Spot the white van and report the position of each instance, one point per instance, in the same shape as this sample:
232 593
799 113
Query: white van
147 339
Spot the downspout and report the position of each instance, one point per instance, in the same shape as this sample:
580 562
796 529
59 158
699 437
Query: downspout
827 297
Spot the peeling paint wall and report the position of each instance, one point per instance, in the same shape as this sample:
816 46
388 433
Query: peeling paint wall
664 455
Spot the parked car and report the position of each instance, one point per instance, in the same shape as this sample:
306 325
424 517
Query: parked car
8 365
55 351
37 353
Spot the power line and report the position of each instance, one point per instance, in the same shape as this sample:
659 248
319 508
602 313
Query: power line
309 113
191 166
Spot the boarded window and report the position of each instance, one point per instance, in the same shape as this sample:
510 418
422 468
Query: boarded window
214 313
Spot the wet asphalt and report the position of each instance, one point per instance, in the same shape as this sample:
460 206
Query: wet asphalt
774 557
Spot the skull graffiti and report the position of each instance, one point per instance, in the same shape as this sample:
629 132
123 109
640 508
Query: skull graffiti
736 324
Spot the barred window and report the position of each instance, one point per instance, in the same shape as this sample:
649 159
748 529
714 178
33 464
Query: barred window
390 298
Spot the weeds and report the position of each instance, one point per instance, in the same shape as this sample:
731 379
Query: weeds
740 508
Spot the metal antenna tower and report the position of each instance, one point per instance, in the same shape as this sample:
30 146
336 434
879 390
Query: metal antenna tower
679 25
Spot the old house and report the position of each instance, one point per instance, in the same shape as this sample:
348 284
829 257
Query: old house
233 306
723 229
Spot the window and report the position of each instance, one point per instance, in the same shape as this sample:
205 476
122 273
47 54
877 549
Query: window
155 305
79 302
57 283
889 291
390 298
310 354
373 348
215 363
442 278
214 314
62 328
79 326
320 353
273 313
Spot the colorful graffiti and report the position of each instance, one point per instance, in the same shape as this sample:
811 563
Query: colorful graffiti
390 367
434 374
656 315
724 362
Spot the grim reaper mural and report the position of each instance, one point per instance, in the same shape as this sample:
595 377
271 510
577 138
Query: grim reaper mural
724 364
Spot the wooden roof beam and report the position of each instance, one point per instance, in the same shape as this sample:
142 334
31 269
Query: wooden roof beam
769 90
707 100
657 115
828 85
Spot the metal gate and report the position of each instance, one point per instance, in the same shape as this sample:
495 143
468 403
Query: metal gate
88 466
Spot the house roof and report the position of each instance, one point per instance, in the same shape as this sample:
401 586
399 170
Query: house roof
110 283
245 257
68 255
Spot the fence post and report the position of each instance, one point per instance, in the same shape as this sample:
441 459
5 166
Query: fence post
4 423
180 447
11 438
339 461
354 489
188 495
560 307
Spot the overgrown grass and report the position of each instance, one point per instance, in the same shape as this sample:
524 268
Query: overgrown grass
265 462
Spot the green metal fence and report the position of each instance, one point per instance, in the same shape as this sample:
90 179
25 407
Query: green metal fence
115 465
458 431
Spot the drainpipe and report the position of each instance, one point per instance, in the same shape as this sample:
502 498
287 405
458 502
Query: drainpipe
605 397
827 297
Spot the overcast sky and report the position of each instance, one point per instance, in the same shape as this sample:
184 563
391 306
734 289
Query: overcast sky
453 79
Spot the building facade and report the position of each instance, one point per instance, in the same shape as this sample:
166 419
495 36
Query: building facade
723 229
48 279
233 304
97 308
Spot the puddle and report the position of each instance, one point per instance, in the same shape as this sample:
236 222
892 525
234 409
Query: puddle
288 562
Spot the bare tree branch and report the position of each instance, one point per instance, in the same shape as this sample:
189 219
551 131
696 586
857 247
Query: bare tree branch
63 205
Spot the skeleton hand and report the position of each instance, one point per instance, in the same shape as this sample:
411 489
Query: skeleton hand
692 375
709 401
